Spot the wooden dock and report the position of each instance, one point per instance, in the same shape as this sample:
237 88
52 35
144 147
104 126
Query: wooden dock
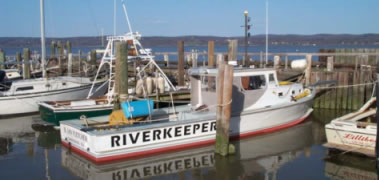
352 69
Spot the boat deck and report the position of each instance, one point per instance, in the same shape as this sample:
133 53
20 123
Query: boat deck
162 117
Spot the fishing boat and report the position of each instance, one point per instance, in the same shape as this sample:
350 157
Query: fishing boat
254 156
260 105
56 111
355 132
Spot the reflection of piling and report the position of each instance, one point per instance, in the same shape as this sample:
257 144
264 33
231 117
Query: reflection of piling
26 64
224 98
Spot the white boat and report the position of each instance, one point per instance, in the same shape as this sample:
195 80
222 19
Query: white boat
23 96
355 132
255 156
260 105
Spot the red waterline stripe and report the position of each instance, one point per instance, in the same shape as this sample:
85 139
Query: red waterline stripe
173 148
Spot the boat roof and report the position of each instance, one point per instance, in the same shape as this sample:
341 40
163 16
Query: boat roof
238 71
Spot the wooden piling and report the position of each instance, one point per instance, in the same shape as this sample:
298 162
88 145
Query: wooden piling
69 65
232 50
308 70
122 55
223 124
60 49
211 56
220 139
330 64
93 58
18 60
68 47
79 62
181 63
26 64
286 63
121 75
2 59
53 47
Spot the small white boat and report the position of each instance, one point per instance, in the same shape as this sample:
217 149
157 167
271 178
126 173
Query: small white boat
260 105
23 96
354 132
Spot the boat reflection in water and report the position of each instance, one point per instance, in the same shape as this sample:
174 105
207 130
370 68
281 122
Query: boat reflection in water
258 157
14 131
349 166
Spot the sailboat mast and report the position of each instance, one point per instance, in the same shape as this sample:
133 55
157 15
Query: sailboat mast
266 31
43 48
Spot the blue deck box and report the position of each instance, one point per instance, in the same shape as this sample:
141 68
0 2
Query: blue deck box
137 108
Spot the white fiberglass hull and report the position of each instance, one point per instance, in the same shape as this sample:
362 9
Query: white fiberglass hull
348 136
195 129
28 102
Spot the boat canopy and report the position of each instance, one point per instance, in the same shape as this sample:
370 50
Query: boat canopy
249 85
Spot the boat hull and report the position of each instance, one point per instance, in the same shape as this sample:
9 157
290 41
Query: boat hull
28 103
55 116
171 136
351 138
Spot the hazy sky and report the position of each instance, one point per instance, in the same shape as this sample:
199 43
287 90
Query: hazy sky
66 18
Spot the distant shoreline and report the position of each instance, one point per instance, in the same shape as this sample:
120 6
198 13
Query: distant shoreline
298 40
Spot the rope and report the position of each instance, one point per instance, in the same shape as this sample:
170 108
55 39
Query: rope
346 86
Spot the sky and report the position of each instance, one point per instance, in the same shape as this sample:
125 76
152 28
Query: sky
72 18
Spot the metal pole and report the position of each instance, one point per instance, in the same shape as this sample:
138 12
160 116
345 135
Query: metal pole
377 117
114 18
246 43
43 49
267 32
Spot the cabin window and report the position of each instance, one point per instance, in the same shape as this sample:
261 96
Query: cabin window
253 82
24 88
271 78
208 83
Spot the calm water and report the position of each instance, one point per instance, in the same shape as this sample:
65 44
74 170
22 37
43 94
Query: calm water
272 49
293 153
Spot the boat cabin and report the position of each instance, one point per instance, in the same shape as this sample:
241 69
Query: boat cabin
252 88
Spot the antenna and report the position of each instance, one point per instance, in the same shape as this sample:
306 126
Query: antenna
114 18
126 16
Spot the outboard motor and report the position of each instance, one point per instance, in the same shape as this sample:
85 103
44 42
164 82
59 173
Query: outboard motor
4 82
2 76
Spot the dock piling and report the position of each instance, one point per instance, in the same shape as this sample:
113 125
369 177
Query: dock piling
180 63
2 59
224 99
69 65
26 64
18 60
308 70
